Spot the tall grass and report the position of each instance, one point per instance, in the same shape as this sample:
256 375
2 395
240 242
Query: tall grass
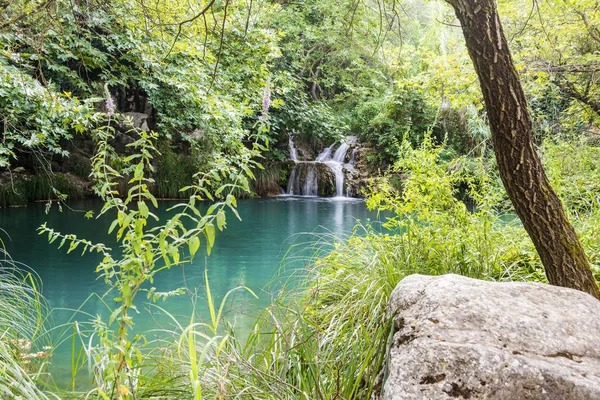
174 171
267 180
38 187
22 323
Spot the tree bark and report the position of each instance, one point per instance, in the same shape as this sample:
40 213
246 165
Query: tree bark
521 170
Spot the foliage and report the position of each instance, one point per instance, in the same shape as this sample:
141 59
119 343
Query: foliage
37 119
571 166
427 215
556 46
331 47
573 170
314 121
59 64
386 121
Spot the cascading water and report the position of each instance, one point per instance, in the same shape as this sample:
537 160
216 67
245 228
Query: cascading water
293 151
292 182
304 176
336 165
325 154
338 170
340 153
311 185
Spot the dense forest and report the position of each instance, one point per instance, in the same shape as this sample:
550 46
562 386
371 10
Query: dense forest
470 128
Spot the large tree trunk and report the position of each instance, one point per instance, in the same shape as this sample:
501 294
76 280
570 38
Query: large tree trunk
520 168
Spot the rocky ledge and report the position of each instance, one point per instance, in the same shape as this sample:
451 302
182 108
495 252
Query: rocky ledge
462 338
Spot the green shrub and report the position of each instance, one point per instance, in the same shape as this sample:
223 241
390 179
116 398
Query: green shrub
316 122
574 171
385 121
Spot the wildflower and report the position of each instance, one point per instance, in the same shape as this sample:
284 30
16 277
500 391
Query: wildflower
110 106
266 103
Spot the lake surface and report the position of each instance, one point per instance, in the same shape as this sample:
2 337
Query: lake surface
252 252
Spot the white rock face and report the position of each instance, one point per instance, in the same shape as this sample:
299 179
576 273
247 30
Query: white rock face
136 120
461 338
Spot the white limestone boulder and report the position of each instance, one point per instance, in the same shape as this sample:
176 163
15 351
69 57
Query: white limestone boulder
461 338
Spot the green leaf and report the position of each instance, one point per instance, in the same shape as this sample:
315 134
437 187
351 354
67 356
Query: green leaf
210 236
174 255
194 244
114 315
212 208
153 200
113 225
73 246
231 201
52 237
143 209
220 220
139 171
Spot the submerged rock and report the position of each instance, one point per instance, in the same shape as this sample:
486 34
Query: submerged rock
457 337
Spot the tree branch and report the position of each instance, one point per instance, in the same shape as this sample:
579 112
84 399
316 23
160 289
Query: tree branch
565 69
20 17
572 91
187 21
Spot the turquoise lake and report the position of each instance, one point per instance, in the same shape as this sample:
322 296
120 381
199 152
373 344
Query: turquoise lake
254 252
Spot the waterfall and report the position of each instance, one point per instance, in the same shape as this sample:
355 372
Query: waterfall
291 181
338 170
325 154
311 185
293 151
340 153
336 165
304 176
303 179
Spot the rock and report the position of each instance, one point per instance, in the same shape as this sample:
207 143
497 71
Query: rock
197 134
5 177
135 120
121 141
351 140
358 175
18 170
303 173
463 338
